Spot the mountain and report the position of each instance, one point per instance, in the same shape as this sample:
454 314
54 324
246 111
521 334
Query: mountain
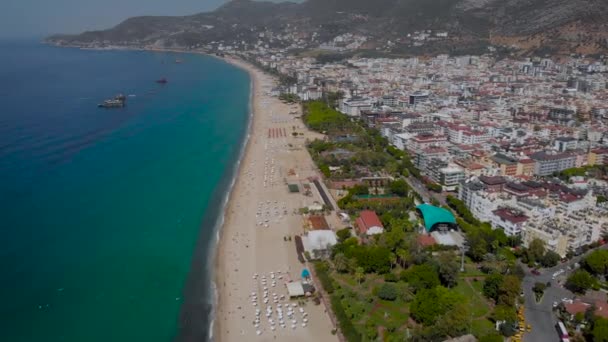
527 26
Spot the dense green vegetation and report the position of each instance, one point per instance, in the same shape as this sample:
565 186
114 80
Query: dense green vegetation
389 286
597 262
537 253
589 170
580 281
462 210
319 117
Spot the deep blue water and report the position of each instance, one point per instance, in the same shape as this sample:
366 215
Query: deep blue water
101 209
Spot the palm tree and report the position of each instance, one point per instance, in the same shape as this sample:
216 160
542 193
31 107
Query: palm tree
393 259
403 255
359 274
341 263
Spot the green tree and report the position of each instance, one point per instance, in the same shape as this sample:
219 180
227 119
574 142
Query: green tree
579 281
434 187
393 259
491 338
550 259
504 313
371 332
456 321
403 256
343 234
399 188
447 267
536 250
597 262
388 291
359 189
341 263
492 285
600 330
359 274
393 238
325 170
478 245
509 290
422 277
430 304
539 289
373 259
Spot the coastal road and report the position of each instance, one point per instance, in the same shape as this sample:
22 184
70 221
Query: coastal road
421 189
540 315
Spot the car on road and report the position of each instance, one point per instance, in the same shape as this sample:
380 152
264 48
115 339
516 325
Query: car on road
535 271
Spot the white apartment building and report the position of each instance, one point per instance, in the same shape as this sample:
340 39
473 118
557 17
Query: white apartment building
354 107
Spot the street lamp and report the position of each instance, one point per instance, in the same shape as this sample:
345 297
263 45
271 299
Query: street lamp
463 249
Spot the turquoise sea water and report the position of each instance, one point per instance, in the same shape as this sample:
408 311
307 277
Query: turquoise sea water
101 210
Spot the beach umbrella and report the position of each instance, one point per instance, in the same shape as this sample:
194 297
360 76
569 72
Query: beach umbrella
305 273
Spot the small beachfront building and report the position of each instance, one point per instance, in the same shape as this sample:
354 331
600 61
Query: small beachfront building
318 243
369 223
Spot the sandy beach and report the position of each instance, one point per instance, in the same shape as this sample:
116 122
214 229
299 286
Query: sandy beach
253 260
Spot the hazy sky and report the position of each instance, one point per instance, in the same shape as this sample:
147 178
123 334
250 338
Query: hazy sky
21 18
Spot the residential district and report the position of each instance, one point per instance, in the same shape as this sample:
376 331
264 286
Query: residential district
463 197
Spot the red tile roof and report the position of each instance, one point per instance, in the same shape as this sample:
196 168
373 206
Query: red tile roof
318 222
511 216
568 198
368 219
426 240
580 306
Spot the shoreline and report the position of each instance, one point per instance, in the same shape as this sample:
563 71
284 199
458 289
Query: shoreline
230 262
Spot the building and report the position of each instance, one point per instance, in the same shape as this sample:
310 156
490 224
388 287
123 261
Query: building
493 184
548 163
450 177
511 221
517 189
436 218
466 190
465 135
424 156
369 223
432 169
526 167
598 156
562 116
354 107
418 97
318 243
563 144
579 306
426 140
506 164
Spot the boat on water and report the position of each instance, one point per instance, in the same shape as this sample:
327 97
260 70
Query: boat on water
162 81
178 61
118 101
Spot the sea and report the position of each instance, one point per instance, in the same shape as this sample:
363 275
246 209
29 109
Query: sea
109 217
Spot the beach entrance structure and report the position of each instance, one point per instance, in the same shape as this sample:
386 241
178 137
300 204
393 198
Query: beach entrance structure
436 218
295 289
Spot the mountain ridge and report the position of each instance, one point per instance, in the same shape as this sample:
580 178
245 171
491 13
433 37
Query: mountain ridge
527 26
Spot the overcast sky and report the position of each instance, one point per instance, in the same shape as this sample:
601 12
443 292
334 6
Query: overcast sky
34 18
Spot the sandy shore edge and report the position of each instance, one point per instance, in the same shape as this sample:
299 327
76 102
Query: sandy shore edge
217 273
231 262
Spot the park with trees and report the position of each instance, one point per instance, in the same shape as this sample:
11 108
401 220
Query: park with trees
389 286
